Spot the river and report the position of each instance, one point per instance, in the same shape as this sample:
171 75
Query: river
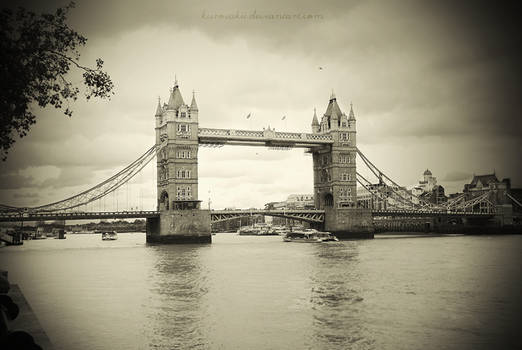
245 292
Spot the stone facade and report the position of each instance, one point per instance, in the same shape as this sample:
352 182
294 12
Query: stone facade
335 176
181 220
177 158
180 226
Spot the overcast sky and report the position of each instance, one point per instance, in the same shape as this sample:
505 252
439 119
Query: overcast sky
434 85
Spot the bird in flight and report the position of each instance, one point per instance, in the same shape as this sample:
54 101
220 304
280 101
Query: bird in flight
320 68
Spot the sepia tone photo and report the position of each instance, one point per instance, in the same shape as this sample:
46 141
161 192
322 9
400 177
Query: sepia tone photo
163 161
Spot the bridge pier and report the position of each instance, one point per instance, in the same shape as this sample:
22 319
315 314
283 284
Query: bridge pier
504 214
179 227
349 223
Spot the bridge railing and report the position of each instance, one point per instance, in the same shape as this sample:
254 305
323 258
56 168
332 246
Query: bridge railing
264 135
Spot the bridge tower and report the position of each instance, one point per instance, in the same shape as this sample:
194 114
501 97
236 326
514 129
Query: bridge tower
181 219
335 179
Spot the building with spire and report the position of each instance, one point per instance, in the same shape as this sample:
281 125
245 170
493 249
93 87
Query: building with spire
334 169
177 140
335 180
177 173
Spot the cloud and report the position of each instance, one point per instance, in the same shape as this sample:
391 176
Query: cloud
431 86
454 176
15 181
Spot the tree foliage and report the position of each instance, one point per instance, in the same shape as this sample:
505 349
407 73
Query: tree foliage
37 51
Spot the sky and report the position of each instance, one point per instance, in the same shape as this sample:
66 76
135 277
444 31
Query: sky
434 84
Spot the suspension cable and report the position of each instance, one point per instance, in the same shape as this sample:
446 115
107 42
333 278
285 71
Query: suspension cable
98 191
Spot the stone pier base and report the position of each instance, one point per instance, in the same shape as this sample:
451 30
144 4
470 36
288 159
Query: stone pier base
352 235
349 223
180 227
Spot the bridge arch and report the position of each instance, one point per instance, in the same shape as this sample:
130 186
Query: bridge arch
310 216
164 201
328 200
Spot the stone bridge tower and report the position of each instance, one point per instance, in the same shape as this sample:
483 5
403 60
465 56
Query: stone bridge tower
335 175
181 220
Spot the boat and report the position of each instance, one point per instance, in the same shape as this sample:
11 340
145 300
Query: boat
280 230
327 237
309 236
109 236
247 231
259 229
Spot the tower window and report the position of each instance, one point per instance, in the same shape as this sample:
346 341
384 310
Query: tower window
346 177
183 192
183 174
183 154
344 158
183 114
183 127
325 159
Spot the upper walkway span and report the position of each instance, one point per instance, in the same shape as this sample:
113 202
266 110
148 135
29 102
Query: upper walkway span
267 137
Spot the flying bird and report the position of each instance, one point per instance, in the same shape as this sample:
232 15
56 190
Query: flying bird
320 68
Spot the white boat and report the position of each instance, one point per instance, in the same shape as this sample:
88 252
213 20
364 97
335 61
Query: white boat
309 236
109 236
259 229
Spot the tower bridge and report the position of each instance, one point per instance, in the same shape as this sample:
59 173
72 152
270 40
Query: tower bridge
332 144
179 217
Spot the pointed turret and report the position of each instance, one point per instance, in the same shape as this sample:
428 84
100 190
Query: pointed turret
193 104
333 111
315 122
351 116
175 99
158 108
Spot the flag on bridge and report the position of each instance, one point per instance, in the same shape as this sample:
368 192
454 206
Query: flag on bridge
284 117
248 116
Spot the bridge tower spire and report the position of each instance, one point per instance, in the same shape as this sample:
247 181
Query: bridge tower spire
315 123
181 220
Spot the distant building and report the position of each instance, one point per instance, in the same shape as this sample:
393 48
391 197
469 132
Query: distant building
300 201
382 197
435 196
427 182
481 184
275 205
294 201
423 189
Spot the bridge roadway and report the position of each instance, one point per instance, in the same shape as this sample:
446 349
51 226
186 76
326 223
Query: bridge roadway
78 215
308 215
428 213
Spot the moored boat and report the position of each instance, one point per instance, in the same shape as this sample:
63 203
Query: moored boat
309 236
259 229
109 236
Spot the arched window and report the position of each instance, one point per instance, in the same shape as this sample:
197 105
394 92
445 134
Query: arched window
328 200
164 200
324 175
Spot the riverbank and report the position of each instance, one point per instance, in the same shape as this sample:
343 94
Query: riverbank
27 320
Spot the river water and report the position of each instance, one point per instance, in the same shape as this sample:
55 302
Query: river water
244 292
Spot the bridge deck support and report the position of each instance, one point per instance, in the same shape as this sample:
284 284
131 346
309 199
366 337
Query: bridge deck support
179 227
348 223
